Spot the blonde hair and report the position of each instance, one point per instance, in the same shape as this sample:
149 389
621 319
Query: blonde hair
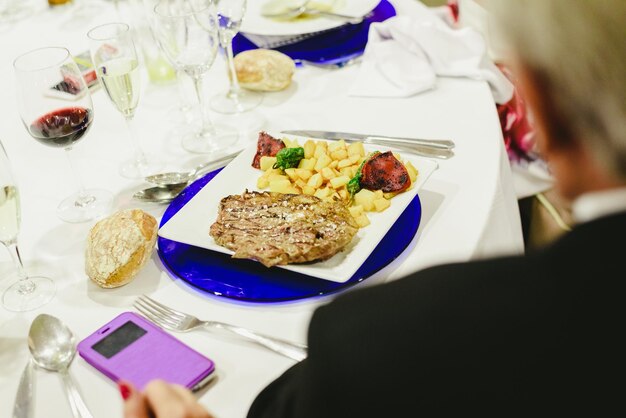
578 47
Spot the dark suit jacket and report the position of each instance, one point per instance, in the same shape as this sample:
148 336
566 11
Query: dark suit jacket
508 336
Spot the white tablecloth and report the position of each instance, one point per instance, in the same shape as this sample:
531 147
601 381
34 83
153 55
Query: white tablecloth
469 210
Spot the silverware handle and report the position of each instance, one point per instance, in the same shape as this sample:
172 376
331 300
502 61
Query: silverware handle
294 351
445 144
24 407
214 165
423 151
79 408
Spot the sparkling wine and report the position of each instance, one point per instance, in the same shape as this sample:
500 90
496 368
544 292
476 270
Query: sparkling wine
9 214
120 78
63 127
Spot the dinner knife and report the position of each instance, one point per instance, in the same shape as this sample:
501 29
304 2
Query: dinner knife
443 144
23 407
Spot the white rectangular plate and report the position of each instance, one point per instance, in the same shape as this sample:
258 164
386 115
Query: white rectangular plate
191 224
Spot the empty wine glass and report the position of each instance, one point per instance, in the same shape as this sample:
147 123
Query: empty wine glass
187 32
117 66
55 106
28 292
229 17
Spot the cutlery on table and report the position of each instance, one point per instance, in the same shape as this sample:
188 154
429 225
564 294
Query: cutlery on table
24 405
329 65
417 143
294 12
53 347
174 320
159 194
169 185
184 177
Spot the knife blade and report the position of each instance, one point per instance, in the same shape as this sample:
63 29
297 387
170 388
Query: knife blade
23 407
441 144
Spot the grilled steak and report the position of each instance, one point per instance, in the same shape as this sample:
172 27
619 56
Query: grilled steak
276 228
267 146
384 172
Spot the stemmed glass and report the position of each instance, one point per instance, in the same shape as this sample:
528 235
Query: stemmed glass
229 17
117 66
187 32
29 292
55 106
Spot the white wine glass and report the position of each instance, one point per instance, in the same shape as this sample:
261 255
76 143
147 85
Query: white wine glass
187 32
230 14
56 109
117 66
28 292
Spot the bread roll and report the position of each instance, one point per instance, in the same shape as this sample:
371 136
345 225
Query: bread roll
264 70
119 246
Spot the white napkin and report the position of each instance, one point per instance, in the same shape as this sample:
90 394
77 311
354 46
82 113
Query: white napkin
404 55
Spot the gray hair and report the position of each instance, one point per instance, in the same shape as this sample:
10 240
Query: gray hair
579 48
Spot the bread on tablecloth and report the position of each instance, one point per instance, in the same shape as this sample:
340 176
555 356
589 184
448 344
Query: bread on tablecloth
264 70
119 246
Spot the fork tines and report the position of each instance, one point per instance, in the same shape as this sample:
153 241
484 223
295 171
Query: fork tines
158 313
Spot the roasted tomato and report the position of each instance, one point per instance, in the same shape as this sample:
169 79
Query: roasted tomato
384 172
267 146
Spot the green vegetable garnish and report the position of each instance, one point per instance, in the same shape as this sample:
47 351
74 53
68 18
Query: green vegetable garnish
288 158
354 185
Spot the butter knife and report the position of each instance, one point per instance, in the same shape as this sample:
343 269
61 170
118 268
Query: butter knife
441 144
24 406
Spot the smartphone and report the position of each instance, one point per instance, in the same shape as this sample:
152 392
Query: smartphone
134 349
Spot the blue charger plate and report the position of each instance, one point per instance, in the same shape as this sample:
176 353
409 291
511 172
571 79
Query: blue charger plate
246 280
332 46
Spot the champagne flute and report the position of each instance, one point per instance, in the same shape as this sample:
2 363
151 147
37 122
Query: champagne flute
29 292
115 58
55 106
187 33
229 16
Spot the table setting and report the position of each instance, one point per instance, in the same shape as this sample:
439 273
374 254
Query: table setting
117 245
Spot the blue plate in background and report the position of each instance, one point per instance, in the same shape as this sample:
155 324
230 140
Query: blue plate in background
332 46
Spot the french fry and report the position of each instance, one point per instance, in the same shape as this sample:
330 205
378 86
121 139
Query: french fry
381 204
309 149
267 162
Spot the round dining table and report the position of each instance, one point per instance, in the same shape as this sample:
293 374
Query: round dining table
469 209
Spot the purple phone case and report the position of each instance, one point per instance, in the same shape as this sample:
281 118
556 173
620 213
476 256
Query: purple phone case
155 355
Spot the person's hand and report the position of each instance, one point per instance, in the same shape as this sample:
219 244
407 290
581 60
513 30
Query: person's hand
160 400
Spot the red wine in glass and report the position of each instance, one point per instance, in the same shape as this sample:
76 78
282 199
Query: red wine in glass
62 128
54 122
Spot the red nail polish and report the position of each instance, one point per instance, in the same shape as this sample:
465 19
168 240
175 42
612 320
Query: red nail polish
124 390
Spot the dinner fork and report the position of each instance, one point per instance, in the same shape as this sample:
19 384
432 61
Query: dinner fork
174 320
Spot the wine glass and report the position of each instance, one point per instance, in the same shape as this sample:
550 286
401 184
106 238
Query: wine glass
117 66
229 17
187 33
55 106
28 292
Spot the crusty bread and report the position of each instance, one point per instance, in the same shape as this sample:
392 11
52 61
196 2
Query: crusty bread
119 246
264 70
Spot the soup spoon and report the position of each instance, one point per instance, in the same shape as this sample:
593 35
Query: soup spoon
53 347
176 178
160 194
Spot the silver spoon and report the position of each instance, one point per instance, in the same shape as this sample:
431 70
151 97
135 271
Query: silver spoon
294 12
183 177
160 194
53 347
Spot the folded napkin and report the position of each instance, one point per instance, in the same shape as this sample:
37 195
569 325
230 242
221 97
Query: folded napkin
405 54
